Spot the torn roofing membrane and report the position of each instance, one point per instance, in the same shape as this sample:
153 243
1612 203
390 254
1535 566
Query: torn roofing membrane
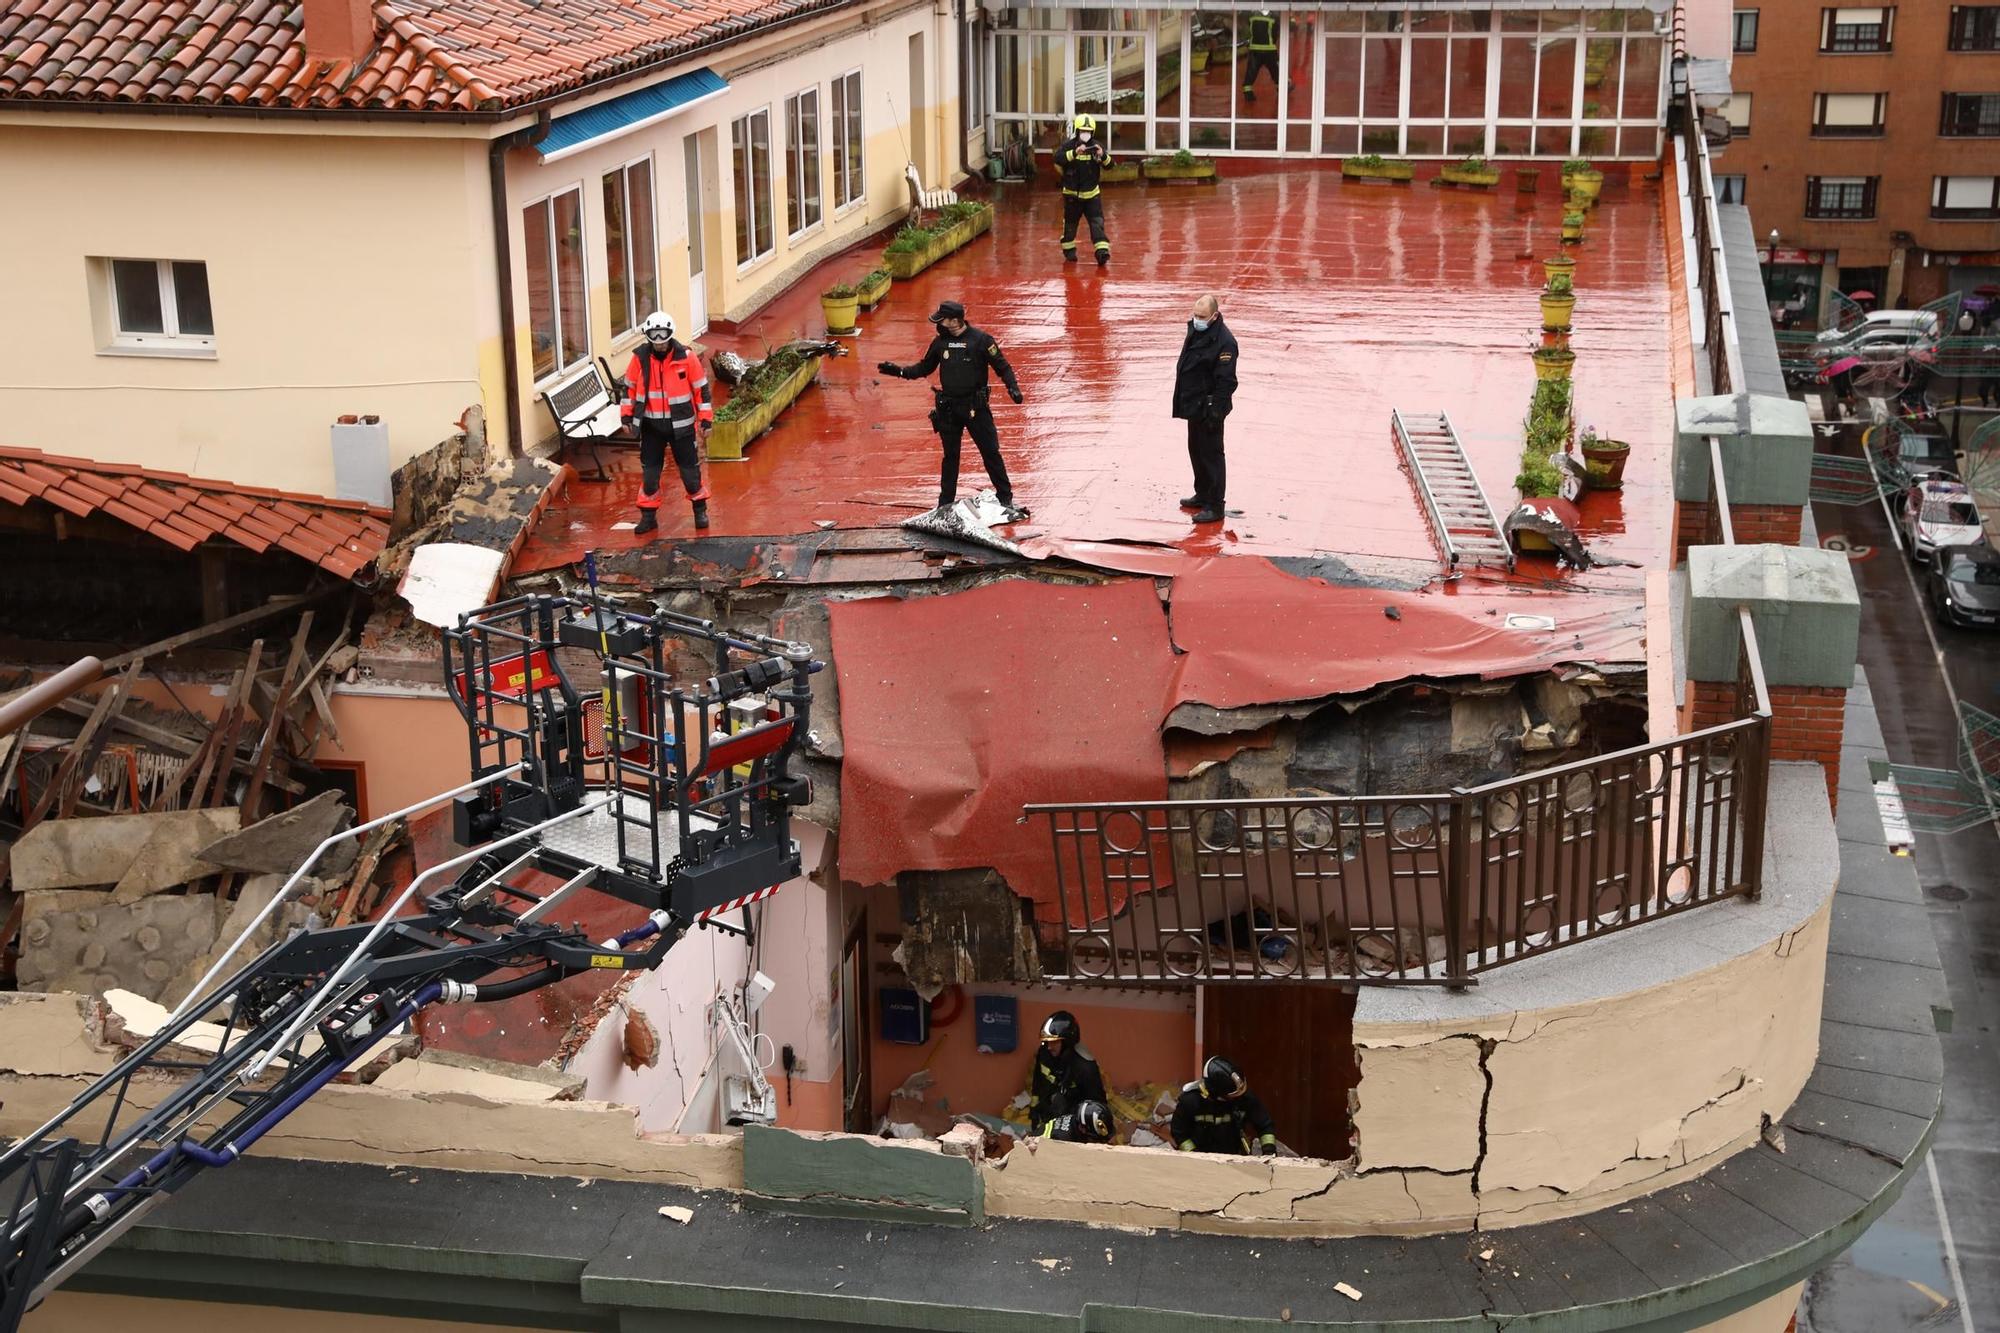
959 709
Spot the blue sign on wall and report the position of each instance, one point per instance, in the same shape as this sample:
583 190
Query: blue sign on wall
905 1017
996 1023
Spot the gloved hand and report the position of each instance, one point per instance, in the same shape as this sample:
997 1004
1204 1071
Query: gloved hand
631 424
889 368
1015 394
1267 1150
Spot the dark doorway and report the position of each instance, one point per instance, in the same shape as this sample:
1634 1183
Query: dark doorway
1296 1046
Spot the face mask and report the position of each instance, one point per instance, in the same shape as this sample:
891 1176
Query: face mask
1200 325
1083 136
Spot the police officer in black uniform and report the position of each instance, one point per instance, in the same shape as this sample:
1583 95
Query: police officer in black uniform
1204 394
1065 1075
1081 159
1218 1113
963 355
1088 1123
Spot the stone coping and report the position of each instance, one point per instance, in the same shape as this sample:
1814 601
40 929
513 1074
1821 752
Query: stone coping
554 1253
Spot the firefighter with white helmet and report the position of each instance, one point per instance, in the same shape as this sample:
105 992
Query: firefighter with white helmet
666 404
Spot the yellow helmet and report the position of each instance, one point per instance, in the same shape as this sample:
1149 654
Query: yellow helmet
1086 123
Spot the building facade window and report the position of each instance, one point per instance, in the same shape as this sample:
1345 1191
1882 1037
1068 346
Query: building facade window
1746 30
1846 198
1730 189
1965 197
1975 28
159 305
558 316
1418 83
850 180
1967 115
1854 31
1736 110
1848 115
802 181
750 162
631 251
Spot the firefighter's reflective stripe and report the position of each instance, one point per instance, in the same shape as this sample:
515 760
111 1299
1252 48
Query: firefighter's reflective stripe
651 499
667 388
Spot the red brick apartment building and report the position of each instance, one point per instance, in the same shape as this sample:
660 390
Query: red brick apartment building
1868 141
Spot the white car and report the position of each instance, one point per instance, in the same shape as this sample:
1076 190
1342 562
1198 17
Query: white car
1938 511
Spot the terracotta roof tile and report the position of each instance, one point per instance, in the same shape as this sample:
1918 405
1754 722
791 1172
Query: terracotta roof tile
429 55
343 537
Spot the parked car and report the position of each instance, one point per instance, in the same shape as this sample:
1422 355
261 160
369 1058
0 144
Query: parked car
1963 585
1916 447
1914 326
1938 511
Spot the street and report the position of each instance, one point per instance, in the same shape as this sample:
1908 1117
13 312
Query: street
1932 1262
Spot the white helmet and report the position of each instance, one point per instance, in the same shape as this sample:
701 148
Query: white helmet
658 327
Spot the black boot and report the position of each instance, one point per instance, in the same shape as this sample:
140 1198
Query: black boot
701 514
648 522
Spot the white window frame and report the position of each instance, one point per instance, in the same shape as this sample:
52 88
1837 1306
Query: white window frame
794 188
1941 192
1743 104
632 304
857 170
170 341
547 201
750 193
1731 189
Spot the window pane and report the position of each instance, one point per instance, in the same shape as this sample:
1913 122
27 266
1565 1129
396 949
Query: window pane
809 168
1600 78
137 282
1517 77
1555 95
1642 78
1427 80
760 163
1382 91
739 175
1343 76
191 299
571 311
541 287
645 246
615 241
1468 79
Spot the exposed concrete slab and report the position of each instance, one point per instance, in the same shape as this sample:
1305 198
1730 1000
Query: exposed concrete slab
255 894
1446 1079
78 853
170 857
1804 604
1766 448
141 946
279 845
493 1080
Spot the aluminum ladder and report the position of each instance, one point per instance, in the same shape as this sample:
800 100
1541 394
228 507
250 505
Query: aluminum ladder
1460 513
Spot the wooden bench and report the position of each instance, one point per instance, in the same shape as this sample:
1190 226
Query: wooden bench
585 408
920 198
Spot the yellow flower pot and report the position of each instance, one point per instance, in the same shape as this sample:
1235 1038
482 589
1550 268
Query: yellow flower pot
1556 311
1554 363
842 312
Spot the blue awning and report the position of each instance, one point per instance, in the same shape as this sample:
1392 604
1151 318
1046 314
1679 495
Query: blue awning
621 115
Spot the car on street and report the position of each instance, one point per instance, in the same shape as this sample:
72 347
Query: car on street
1962 584
1938 511
1907 327
1917 447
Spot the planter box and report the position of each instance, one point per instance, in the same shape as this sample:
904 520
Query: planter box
1198 170
1119 172
1483 180
1200 60
906 264
730 440
872 293
1388 171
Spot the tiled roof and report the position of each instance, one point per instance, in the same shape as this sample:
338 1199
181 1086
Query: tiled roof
429 55
342 537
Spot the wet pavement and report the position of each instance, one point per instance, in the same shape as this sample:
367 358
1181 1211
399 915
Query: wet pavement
1348 300
1900 1274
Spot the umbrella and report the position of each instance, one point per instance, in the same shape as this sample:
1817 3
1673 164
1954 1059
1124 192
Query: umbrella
1988 290
1861 296
1845 363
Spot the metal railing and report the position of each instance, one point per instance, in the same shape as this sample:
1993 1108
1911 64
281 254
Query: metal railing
1704 257
1424 888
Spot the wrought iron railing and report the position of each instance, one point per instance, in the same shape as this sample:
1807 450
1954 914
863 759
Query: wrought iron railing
1422 888
1704 259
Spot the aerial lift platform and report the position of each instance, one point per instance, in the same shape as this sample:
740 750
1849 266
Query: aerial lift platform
664 782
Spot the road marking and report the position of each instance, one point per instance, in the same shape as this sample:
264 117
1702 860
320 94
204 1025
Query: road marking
1950 1248
1895 531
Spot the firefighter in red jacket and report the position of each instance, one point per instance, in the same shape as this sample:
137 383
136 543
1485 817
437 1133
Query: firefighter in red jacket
667 405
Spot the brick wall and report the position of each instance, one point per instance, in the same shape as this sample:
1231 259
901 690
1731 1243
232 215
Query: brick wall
1752 524
1806 723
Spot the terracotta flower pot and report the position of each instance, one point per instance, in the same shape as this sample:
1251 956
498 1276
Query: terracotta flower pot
1605 462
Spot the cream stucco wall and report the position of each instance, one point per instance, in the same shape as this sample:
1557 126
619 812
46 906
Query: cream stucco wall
348 273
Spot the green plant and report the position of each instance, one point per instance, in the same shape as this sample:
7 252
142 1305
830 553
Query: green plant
1589 439
1559 284
953 214
909 240
1572 219
1539 477
772 371
1208 136
1577 165
1473 162
842 291
875 276
1366 162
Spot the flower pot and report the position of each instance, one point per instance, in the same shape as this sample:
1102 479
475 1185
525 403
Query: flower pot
1527 179
842 312
1557 264
1119 172
1166 169
730 439
1553 363
872 292
1572 228
1482 179
1585 183
1387 171
1556 311
1200 60
1604 464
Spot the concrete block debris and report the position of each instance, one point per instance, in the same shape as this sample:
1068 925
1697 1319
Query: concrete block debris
83 853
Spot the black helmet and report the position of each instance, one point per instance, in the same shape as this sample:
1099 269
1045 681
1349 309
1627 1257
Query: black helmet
1220 1078
1094 1120
1061 1026
948 310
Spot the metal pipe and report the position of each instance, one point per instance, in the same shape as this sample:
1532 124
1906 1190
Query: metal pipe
284 890
37 699
383 922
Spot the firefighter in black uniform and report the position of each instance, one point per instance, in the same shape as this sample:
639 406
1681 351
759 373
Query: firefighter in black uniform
1065 1076
1204 393
1219 1113
1088 1123
1081 160
963 355
1263 54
